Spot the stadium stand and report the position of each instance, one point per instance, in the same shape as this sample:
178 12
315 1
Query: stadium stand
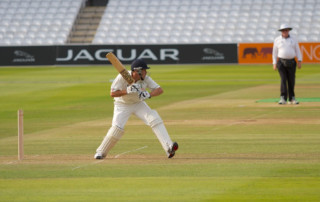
48 22
37 22
206 21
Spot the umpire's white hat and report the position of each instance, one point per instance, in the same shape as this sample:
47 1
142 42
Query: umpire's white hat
284 27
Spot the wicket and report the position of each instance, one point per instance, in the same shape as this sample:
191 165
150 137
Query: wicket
20 135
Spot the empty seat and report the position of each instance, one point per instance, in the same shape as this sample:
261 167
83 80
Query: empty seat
303 38
314 38
38 21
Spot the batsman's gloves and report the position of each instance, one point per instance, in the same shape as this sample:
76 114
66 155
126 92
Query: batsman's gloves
134 88
144 95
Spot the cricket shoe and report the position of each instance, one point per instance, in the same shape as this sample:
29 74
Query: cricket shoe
98 156
282 101
293 101
173 150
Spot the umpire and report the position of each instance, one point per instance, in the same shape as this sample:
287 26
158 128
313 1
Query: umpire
285 49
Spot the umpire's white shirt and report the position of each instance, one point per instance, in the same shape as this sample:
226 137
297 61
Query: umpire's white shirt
120 84
285 48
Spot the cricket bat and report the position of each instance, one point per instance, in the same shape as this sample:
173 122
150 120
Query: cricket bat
120 68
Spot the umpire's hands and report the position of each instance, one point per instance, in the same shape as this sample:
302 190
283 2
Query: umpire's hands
275 67
299 64
134 88
144 95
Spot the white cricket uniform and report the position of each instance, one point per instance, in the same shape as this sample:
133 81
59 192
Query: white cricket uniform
285 48
129 104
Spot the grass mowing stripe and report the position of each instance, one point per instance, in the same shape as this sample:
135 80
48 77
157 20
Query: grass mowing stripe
166 189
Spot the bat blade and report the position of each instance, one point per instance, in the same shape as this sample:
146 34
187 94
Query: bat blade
120 68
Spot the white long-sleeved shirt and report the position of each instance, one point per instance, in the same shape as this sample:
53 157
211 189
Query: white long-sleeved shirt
285 48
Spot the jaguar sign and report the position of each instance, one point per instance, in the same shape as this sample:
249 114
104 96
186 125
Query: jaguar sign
95 54
99 55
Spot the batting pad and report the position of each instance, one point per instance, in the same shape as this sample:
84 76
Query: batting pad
113 136
162 134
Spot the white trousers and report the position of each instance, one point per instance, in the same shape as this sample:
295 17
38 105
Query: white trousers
122 113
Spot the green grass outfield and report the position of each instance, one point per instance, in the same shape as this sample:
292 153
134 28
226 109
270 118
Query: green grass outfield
232 147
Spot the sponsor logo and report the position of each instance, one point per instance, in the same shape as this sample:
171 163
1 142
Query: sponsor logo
253 51
22 56
262 52
212 54
100 55
310 52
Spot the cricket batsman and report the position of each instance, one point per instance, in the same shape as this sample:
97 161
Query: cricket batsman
130 99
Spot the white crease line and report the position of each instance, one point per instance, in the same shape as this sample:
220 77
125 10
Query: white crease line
96 162
14 162
130 151
10 162
99 161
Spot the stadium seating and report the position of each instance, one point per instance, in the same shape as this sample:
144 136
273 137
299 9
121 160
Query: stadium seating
47 22
37 22
206 21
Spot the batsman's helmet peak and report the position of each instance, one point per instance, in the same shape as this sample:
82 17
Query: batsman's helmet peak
139 63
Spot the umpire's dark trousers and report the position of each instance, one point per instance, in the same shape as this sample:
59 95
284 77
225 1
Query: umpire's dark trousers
287 71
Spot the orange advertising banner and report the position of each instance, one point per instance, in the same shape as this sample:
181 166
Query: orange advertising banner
261 53
255 53
310 52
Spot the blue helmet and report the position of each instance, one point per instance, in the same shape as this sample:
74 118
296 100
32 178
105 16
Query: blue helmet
139 64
